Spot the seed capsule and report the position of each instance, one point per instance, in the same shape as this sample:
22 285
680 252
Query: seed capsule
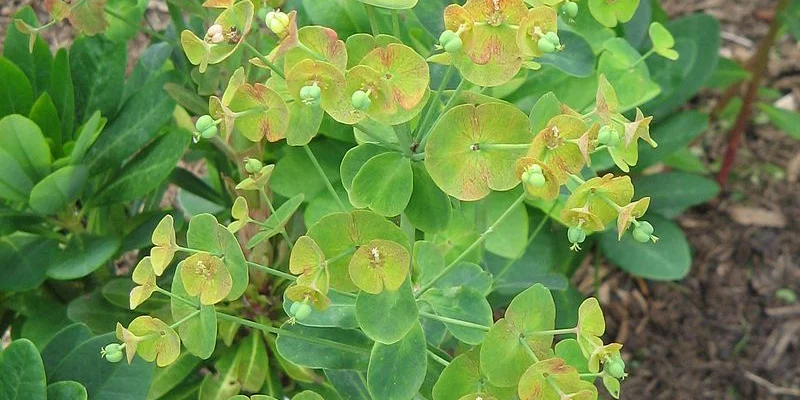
300 311
454 45
576 235
571 8
209 133
277 22
214 30
253 165
546 46
310 94
615 367
553 38
360 100
641 235
217 38
609 136
446 37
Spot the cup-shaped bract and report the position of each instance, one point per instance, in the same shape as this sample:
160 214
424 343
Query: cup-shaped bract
468 153
490 55
663 42
601 197
309 294
307 259
537 23
361 44
151 339
632 211
257 181
552 185
327 77
87 16
240 213
206 276
163 239
590 318
317 43
554 379
557 145
392 4
145 278
609 13
263 114
378 265
235 21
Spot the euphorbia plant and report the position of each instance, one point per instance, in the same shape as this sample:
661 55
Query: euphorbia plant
382 284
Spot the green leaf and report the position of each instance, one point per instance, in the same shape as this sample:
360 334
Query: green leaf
22 139
663 42
206 234
295 166
98 74
224 383
167 378
609 13
383 184
149 64
16 94
58 190
340 313
668 259
24 259
570 351
131 13
355 159
45 115
396 371
63 342
15 184
464 304
137 124
350 384
672 193
66 390
387 317
463 376
63 93
35 64
672 134
97 313
785 120
727 73
103 380
429 208
697 39
632 82
509 238
577 58
543 111
83 254
147 170
253 362
329 348
86 137
277 221
21 372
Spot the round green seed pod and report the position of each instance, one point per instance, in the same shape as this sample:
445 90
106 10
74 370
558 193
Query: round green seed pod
576 235
640 235
646 227
536 179
253 165
303 311
446 37
454 45
536 169
209 133
310 94
546 46
553 38
114 357
609 136
525 175
571 8
615 368
360 100
204 122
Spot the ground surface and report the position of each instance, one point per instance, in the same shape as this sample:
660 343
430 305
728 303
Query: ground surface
721 333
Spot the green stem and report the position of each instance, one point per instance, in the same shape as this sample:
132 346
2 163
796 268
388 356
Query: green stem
226 149
192 251
340 255
176 297
377 138
565 331
453 321
531 238
591 375
285 234
437 96
324 177
643 58
264 59
450 103
184 319
373 21
284 332
272 271
479 241
438 359
396 23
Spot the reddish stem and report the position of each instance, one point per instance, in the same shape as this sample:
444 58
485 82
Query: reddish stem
759 68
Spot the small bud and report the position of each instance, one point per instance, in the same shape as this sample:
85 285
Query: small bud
576 235
546 46
214 30
300 311
643 232
360 100
609 136
615 367
553 38
253 165
277 22
310 94
571 9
